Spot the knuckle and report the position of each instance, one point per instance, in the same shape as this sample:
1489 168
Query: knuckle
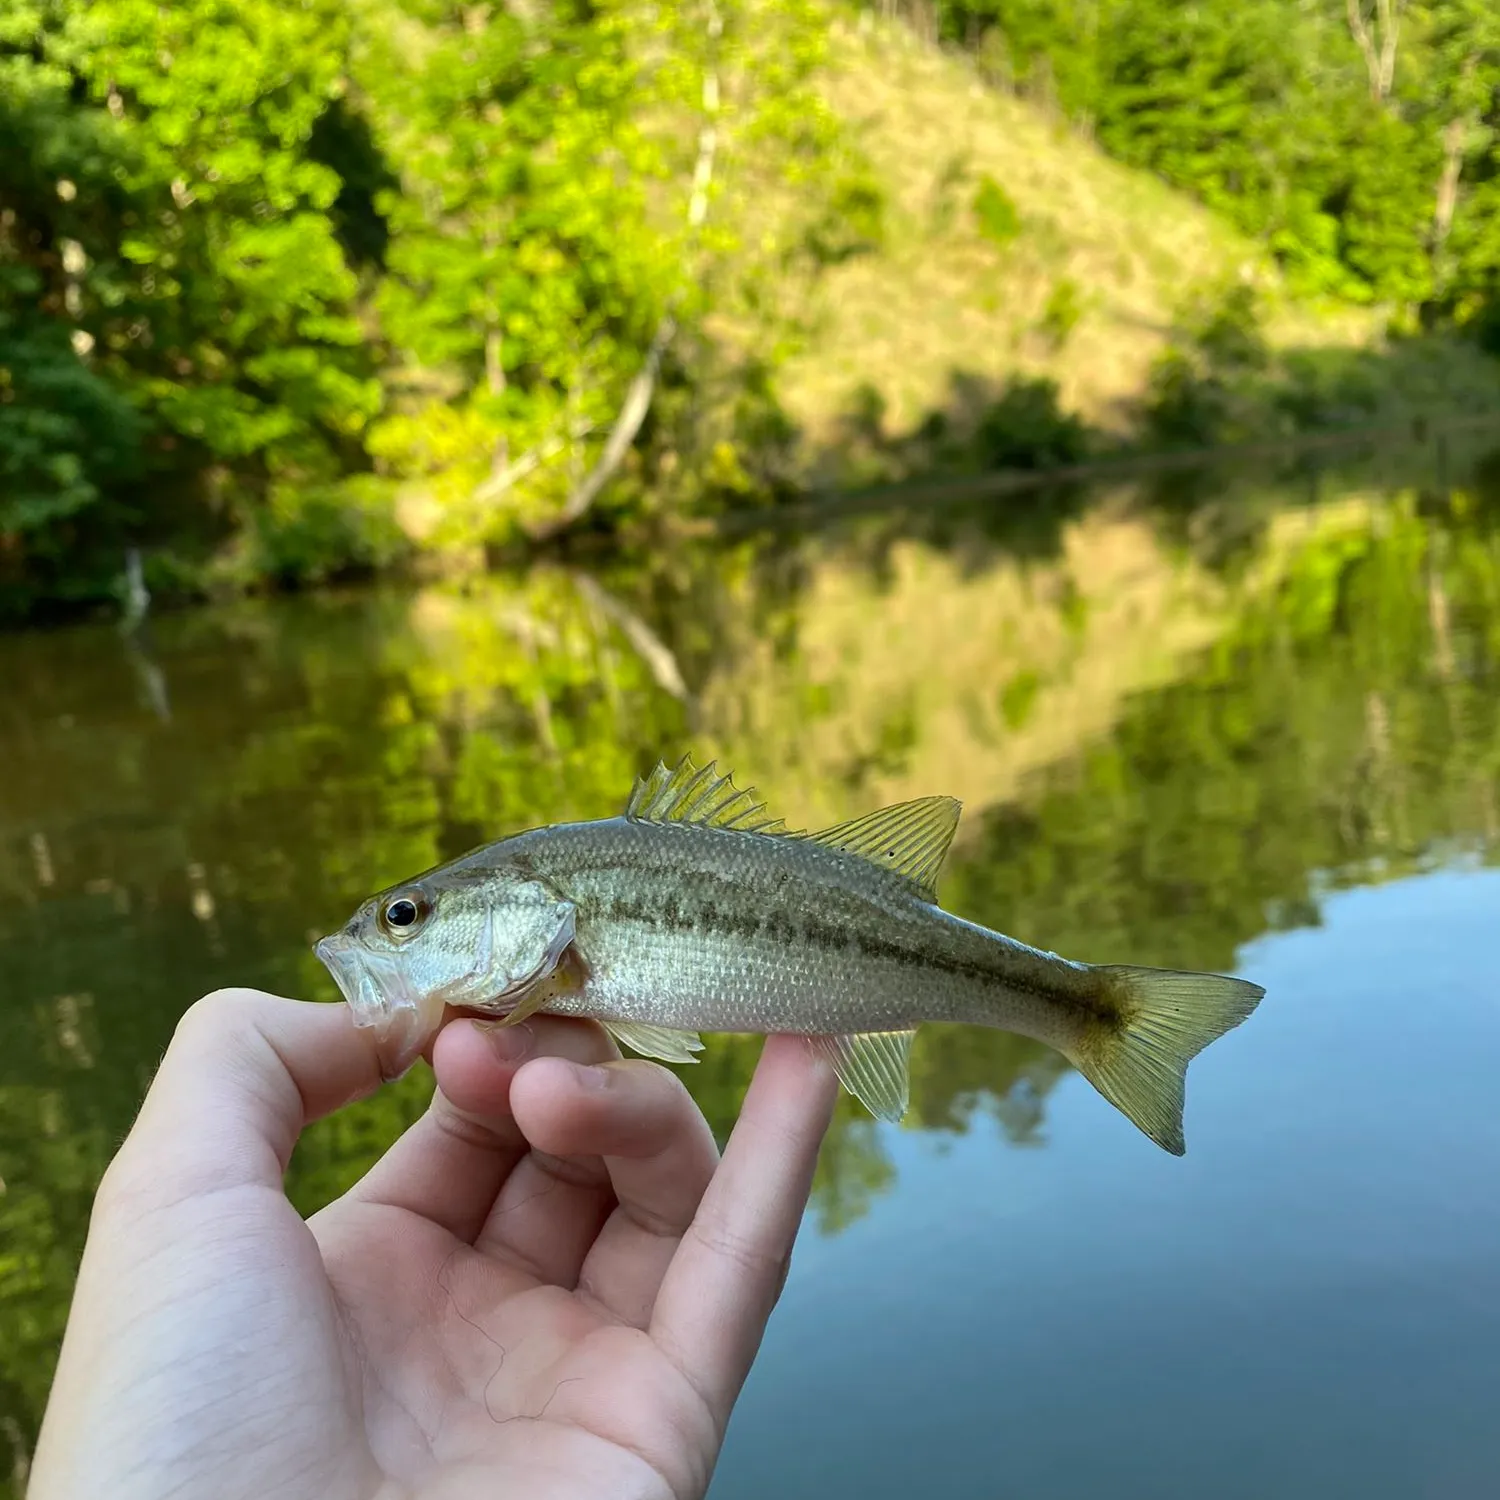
117 1187
658 1222
127 1189
750 1253
485 1132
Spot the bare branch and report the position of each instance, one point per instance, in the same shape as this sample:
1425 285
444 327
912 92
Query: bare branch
628 422
1361 34
498 483
1377 47
649 646
1455 136
1390 31
494 370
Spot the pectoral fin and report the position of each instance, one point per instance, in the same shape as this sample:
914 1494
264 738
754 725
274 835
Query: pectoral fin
528 1005
875 1066
660 1042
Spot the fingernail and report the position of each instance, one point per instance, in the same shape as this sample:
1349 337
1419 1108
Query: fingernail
511 1043
595 1075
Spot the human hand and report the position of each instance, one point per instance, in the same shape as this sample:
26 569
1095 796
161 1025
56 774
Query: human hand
549 1287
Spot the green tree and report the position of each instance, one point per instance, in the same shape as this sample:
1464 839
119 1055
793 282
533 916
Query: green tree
166 222
1358 139
68 436
553 231
525 275
256 363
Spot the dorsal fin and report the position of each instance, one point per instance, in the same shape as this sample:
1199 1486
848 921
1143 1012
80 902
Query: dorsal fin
686 794
911 838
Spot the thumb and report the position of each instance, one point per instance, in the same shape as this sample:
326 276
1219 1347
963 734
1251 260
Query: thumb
245 1074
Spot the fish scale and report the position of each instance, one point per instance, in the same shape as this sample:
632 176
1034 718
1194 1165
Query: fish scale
696 910
700 929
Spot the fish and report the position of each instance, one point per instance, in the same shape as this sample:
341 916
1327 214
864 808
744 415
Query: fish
698 910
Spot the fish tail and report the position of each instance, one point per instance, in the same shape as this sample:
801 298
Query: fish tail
1152 1023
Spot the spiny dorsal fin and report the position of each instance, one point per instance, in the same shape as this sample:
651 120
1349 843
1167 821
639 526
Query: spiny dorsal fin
911 838
686 794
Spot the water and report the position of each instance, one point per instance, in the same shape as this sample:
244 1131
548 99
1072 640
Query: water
1261 735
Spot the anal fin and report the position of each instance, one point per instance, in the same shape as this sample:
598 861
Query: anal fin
875 1066
661 1042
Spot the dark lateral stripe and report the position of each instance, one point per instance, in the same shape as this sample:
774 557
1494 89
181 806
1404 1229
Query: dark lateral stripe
671 914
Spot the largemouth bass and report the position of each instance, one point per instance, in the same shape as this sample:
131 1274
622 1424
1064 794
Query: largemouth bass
696 910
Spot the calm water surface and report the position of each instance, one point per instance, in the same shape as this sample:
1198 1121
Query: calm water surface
1261 736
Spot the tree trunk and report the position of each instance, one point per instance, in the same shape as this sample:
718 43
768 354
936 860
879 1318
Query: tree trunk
628 423
1456 135
1377 37
512 474
494 374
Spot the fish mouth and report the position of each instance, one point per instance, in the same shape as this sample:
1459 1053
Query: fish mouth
380 999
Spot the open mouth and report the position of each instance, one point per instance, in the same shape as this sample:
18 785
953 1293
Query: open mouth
380 998
372 1004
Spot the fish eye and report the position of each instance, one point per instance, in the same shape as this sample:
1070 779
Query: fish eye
403 915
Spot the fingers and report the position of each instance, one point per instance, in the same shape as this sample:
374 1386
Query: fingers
450 1165
724 1280
553 1206
244 1074
658 1153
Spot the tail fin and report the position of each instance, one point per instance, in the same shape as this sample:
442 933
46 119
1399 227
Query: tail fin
1139 1063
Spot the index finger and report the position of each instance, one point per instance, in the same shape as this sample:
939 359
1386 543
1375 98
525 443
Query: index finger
723 1283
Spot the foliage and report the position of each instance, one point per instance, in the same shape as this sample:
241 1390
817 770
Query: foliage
64 432
853 223
995 213
1027 428
1063 311
289 291
172 293
292 292
1370 182
1219 382
523 279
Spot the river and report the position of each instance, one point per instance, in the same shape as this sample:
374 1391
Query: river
1251 726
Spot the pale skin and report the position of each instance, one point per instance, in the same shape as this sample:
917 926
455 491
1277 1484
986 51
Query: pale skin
551 1286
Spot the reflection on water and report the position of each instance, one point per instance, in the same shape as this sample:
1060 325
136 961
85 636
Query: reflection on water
1175 736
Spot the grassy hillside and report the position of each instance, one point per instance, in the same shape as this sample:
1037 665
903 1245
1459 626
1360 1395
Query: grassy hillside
1099 273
